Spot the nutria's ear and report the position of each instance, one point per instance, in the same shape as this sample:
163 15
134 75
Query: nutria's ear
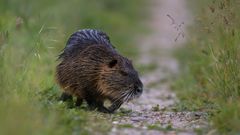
112 63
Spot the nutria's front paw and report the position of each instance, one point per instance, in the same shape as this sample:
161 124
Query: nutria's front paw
104 110
115 105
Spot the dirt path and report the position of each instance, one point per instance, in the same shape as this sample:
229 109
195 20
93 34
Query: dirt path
153 113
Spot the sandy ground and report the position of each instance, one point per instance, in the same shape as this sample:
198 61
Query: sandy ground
153 113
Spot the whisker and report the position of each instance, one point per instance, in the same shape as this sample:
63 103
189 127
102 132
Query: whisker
123 94
131 95
128 96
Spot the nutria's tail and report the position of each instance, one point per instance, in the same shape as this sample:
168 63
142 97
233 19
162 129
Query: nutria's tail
82 38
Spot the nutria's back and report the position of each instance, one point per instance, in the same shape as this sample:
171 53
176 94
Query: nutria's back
91 69
81 39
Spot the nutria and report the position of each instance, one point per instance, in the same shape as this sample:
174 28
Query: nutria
91 69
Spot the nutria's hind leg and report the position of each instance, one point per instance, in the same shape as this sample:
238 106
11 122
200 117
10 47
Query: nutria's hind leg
115 105
79 101
65 97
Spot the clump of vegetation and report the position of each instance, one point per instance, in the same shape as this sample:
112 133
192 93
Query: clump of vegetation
126 126
155 127
211 63
32 34
160 127
156 108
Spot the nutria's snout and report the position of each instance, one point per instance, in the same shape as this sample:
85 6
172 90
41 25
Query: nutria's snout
138 88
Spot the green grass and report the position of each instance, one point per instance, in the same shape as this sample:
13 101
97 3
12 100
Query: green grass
210 64
160 128
32 33
126 126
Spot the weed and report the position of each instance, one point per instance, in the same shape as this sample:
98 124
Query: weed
210 65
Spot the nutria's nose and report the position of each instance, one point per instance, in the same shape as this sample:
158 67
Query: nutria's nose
138 89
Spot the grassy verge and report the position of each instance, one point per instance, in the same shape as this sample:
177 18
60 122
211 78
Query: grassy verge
32 33
210 62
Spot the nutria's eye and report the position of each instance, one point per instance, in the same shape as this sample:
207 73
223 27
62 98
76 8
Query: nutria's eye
123 73
112 63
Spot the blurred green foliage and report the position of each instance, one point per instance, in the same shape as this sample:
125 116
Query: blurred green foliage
32 33
211 63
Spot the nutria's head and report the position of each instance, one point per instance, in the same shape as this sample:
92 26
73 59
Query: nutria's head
119 80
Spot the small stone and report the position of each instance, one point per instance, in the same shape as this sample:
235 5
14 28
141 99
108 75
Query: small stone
115 122
114 129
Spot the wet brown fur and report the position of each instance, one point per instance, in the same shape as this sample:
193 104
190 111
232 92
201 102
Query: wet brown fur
94 75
